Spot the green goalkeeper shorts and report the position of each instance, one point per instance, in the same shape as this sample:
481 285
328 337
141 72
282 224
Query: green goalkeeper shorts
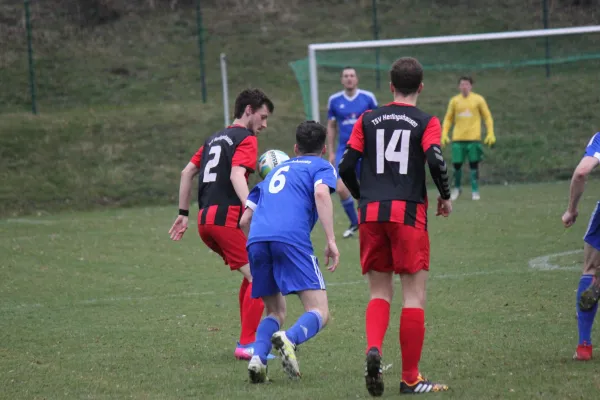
470 150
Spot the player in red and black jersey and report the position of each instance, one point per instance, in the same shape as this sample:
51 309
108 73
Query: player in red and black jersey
223 164
395 142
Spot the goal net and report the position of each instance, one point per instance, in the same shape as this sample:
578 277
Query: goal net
541 86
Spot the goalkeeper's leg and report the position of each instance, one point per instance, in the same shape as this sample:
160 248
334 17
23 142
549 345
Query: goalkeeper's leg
475 154
458 157
455 192
474 166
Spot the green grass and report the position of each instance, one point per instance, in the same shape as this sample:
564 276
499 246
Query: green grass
102 305
121 110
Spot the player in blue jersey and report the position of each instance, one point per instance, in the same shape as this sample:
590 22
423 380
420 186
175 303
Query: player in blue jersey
589 283
342 112
280 215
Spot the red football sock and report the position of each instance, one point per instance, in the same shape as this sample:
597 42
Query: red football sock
377 320
242 296
412 334
252 311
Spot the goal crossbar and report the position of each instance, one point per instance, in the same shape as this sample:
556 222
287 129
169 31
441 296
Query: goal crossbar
313 48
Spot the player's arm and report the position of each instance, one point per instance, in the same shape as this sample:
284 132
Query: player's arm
484 110
437 166
185 185
244 160
354 151
331 136
331 132
585 167
185 193
251 204
323 190
448 121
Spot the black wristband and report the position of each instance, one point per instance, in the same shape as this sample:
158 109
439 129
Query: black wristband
185 213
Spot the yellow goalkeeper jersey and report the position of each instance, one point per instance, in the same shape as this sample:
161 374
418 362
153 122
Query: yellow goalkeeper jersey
465 113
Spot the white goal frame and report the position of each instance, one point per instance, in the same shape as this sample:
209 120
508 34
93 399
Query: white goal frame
313 48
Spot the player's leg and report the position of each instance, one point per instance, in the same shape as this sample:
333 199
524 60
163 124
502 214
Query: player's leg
346 200
475 155
297 271
458 158
314 319
411 261
267 289
589 287
377 264
230 243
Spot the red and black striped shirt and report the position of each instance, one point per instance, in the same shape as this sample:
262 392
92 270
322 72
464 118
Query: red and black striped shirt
393 140
217 199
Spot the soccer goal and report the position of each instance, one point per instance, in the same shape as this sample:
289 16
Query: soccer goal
524 64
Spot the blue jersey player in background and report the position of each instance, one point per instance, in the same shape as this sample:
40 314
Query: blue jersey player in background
589 283
281 212
343 110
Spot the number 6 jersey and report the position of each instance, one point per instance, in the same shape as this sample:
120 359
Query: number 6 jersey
395 141
284 203
231 147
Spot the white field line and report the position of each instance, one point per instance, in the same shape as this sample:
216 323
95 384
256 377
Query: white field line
544 263
535 264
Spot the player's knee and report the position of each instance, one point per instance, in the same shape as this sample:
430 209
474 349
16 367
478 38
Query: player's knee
323 311
279 315
591 265
414 298
457 166
343 192
474 165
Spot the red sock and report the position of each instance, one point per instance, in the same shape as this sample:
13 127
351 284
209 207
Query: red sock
242 296
377 320
252 311
412 334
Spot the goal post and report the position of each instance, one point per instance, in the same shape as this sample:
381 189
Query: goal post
522 56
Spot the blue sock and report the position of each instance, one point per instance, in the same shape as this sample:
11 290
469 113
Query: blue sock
262 344
585 319
348 205
307 326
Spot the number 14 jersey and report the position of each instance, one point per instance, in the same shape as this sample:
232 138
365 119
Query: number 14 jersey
393 140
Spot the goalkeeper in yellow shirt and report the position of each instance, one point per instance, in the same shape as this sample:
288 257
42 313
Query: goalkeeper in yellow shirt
465 112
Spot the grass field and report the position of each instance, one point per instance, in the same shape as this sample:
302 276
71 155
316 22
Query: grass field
101 305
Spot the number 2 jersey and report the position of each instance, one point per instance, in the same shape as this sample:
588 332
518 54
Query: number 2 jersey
284 202
217 200
395 141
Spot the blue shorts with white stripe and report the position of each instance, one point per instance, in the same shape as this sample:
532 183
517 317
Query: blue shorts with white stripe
592 235
281 267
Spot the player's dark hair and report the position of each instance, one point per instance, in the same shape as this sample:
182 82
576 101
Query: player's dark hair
310 137
465 78
348 67
406 75
255 98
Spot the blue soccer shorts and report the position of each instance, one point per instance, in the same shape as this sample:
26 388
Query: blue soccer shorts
338 157
592 235
280 267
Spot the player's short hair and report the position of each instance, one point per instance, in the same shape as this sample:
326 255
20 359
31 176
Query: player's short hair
465 78
310 137
348 67
406 75
255 98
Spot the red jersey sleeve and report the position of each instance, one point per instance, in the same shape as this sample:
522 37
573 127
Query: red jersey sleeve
197 158
432 134
357 138
246 154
